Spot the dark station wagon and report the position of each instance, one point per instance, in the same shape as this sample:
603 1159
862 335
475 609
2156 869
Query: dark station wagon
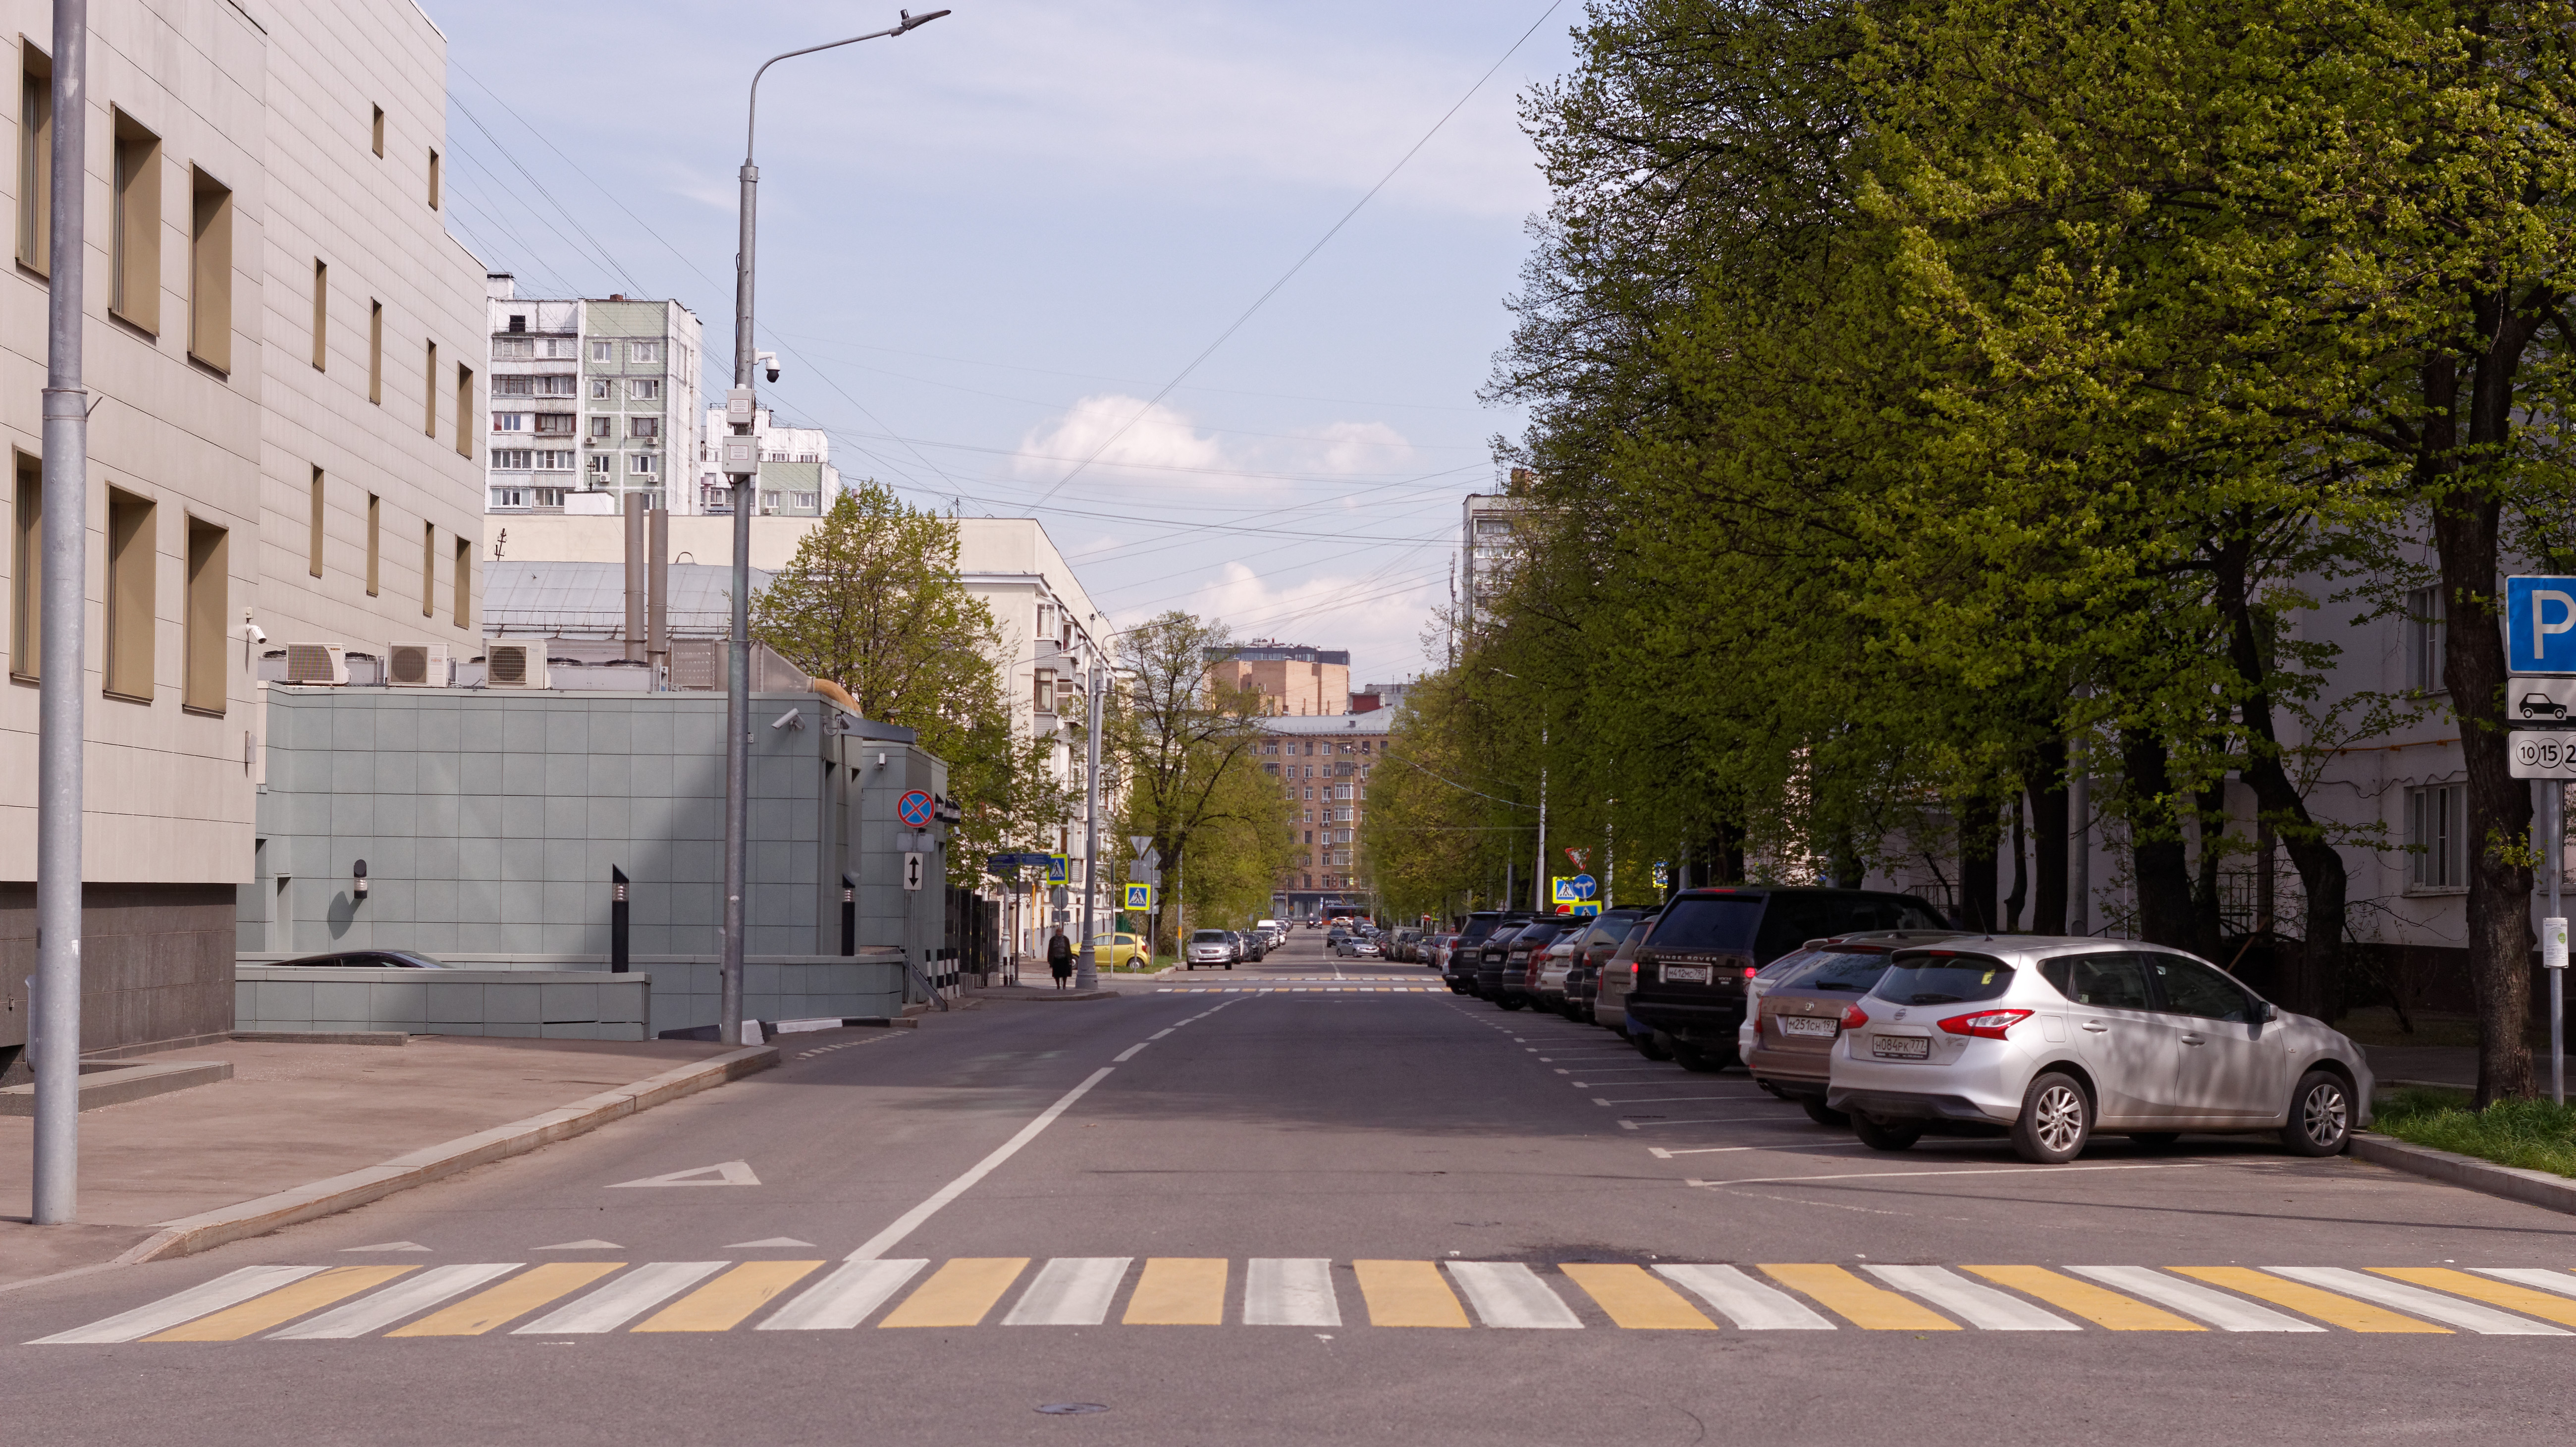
1688 991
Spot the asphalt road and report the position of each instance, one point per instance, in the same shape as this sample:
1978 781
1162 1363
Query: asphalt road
1327 1153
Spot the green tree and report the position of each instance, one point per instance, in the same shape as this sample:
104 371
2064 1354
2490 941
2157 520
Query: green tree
872 601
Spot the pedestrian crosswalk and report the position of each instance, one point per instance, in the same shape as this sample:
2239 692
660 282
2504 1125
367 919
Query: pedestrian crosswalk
594 1298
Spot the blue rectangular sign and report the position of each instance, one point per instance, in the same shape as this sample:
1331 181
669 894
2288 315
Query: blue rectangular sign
2540 625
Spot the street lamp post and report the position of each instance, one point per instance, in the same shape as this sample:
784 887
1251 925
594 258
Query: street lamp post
740 456
1086 975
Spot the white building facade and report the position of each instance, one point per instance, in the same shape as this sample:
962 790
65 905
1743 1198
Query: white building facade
797 478
590 400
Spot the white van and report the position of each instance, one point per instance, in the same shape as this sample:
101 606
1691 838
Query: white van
1271 928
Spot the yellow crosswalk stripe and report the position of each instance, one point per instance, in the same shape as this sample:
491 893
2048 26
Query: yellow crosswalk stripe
510 1300
2524 1299
2325 1306
1635 1300
1856 1300
2100 1306
1179 1291
721 1304
959 1293
277 1308
1407 1293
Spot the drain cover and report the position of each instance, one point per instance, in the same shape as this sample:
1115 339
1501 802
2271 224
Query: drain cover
1073 1409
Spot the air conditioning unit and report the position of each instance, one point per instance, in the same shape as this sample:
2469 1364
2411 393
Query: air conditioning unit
323 663
514 665
419 665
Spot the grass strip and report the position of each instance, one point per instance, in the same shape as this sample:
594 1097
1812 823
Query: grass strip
2534 1135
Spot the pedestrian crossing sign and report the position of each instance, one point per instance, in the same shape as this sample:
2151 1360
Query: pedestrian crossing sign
1139 896
1059 869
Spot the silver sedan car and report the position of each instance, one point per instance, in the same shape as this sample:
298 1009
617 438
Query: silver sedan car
2053 1039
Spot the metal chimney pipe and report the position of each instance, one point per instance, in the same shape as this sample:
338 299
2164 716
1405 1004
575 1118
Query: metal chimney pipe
657 572
635 576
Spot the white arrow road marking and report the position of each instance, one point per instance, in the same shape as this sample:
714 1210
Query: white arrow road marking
729 1173
767 1242
593 1244
389 1246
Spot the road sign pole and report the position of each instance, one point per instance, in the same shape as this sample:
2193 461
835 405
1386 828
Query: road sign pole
2553 937
1086 975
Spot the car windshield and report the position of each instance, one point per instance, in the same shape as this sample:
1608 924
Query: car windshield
1537 934
1788 967
1851 971
1709 924
1942 980
1210 937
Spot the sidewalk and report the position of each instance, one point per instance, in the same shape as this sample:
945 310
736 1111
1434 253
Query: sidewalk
293 1114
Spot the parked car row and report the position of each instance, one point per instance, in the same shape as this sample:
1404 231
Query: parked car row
1226 948
1874 1016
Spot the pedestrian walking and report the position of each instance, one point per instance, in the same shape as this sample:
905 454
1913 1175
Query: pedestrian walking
1060 960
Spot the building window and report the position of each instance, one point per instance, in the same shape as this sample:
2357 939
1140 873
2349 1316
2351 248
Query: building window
604 428
603 351
134 262
429 390
201 683
644 464
603 389
513 349
643 426
376 352
462 608
377 129
35 157
210 272
513 386
321 315
2425 622
509 421
560 384
554 462
513 459
26 569
1044 698
128 655
602 467
464 411
643 351
558 349
554 424
518 323
1270 769
2437 835
375 541
314 528
433 180
644 389
428 570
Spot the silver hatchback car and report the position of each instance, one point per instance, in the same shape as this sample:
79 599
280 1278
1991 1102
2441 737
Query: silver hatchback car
2056 1038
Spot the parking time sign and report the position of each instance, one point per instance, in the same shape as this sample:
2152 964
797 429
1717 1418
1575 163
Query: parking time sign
2540 625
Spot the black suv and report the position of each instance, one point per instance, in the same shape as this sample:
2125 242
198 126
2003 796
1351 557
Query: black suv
1689 992
1460 972
1503 975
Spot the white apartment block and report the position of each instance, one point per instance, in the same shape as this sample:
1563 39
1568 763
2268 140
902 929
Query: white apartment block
797 478
590 400
283 347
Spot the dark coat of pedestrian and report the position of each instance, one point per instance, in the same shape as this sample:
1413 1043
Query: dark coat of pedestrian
1060 959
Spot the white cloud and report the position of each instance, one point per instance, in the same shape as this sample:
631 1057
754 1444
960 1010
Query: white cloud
1378 617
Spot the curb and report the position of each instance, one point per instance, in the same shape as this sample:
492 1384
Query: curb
2532 1188
192 1234
117 1084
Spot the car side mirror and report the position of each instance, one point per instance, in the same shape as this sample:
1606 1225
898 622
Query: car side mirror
2266 1012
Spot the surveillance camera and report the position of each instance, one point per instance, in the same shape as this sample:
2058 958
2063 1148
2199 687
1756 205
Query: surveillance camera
258 634
792 719
770 361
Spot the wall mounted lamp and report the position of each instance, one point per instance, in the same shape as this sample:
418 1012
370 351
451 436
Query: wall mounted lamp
358 880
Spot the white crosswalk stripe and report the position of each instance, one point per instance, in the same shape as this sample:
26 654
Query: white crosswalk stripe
1509 1294
2416 1301
1290 1291
1978 1306
2201 1303
395 1302
1070 1291
1744 1301
230 1289
623 1299
845 1298
2546 1280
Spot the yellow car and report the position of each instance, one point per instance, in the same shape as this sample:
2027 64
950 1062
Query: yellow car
1117 951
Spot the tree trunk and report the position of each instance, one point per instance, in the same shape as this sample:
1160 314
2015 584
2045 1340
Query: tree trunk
1726 854
2021 868
2209 923
2051 837
1976 816
2158 861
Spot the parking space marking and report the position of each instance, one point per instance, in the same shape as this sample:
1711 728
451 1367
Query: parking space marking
1633 1299
1407 1293
2107 1309
1967 1171
959 1293
1978 1306
2300 1297
2220 1310
284 1304
510 1300
1509 1294
2495 1293
2415 1300
1179 1291
1871 1308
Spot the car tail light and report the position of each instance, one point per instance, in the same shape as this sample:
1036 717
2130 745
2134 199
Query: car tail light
1750 972
1853 1018
1985 1024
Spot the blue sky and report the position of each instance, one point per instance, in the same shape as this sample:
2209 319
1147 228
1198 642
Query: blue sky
986 245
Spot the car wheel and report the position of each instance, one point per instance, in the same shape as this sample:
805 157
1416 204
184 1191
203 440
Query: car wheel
2056 1119
1651 1047
1880 1136
1509 1002
2320 1121
1821 1113
1229 964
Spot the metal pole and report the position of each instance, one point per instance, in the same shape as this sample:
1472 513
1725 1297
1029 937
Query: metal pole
1539 902
1086 974
62 655
2554 795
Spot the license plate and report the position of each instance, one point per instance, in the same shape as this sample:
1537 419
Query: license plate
1804 1025
1901 1047
1683 974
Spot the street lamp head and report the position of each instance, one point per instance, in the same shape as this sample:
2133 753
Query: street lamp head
912 21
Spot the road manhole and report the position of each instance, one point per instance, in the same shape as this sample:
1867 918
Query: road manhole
1073 1409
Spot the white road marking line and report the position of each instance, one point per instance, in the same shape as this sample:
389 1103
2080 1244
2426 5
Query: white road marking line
845 1298
1679 1099
1661 1154
1718 1120
1977 1305
2546 1280
1070 1291
1509 1294
392 1304
1128 1054
1977 1171
1744 1301
905 1224
2202 1303
1290 1291
230 1289
2416 1301
1159 1034
623 1299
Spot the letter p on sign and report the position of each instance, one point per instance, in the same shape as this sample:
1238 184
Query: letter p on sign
2540 625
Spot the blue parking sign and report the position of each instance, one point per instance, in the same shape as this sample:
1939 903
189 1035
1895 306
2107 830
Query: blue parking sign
2540 625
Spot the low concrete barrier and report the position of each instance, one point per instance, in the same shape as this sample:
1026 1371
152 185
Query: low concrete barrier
672 992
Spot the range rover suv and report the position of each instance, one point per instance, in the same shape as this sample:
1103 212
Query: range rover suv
1688 991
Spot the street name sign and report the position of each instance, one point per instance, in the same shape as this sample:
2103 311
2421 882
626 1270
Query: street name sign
2541 754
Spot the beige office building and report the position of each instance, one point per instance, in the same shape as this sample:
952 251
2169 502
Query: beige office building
281 347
